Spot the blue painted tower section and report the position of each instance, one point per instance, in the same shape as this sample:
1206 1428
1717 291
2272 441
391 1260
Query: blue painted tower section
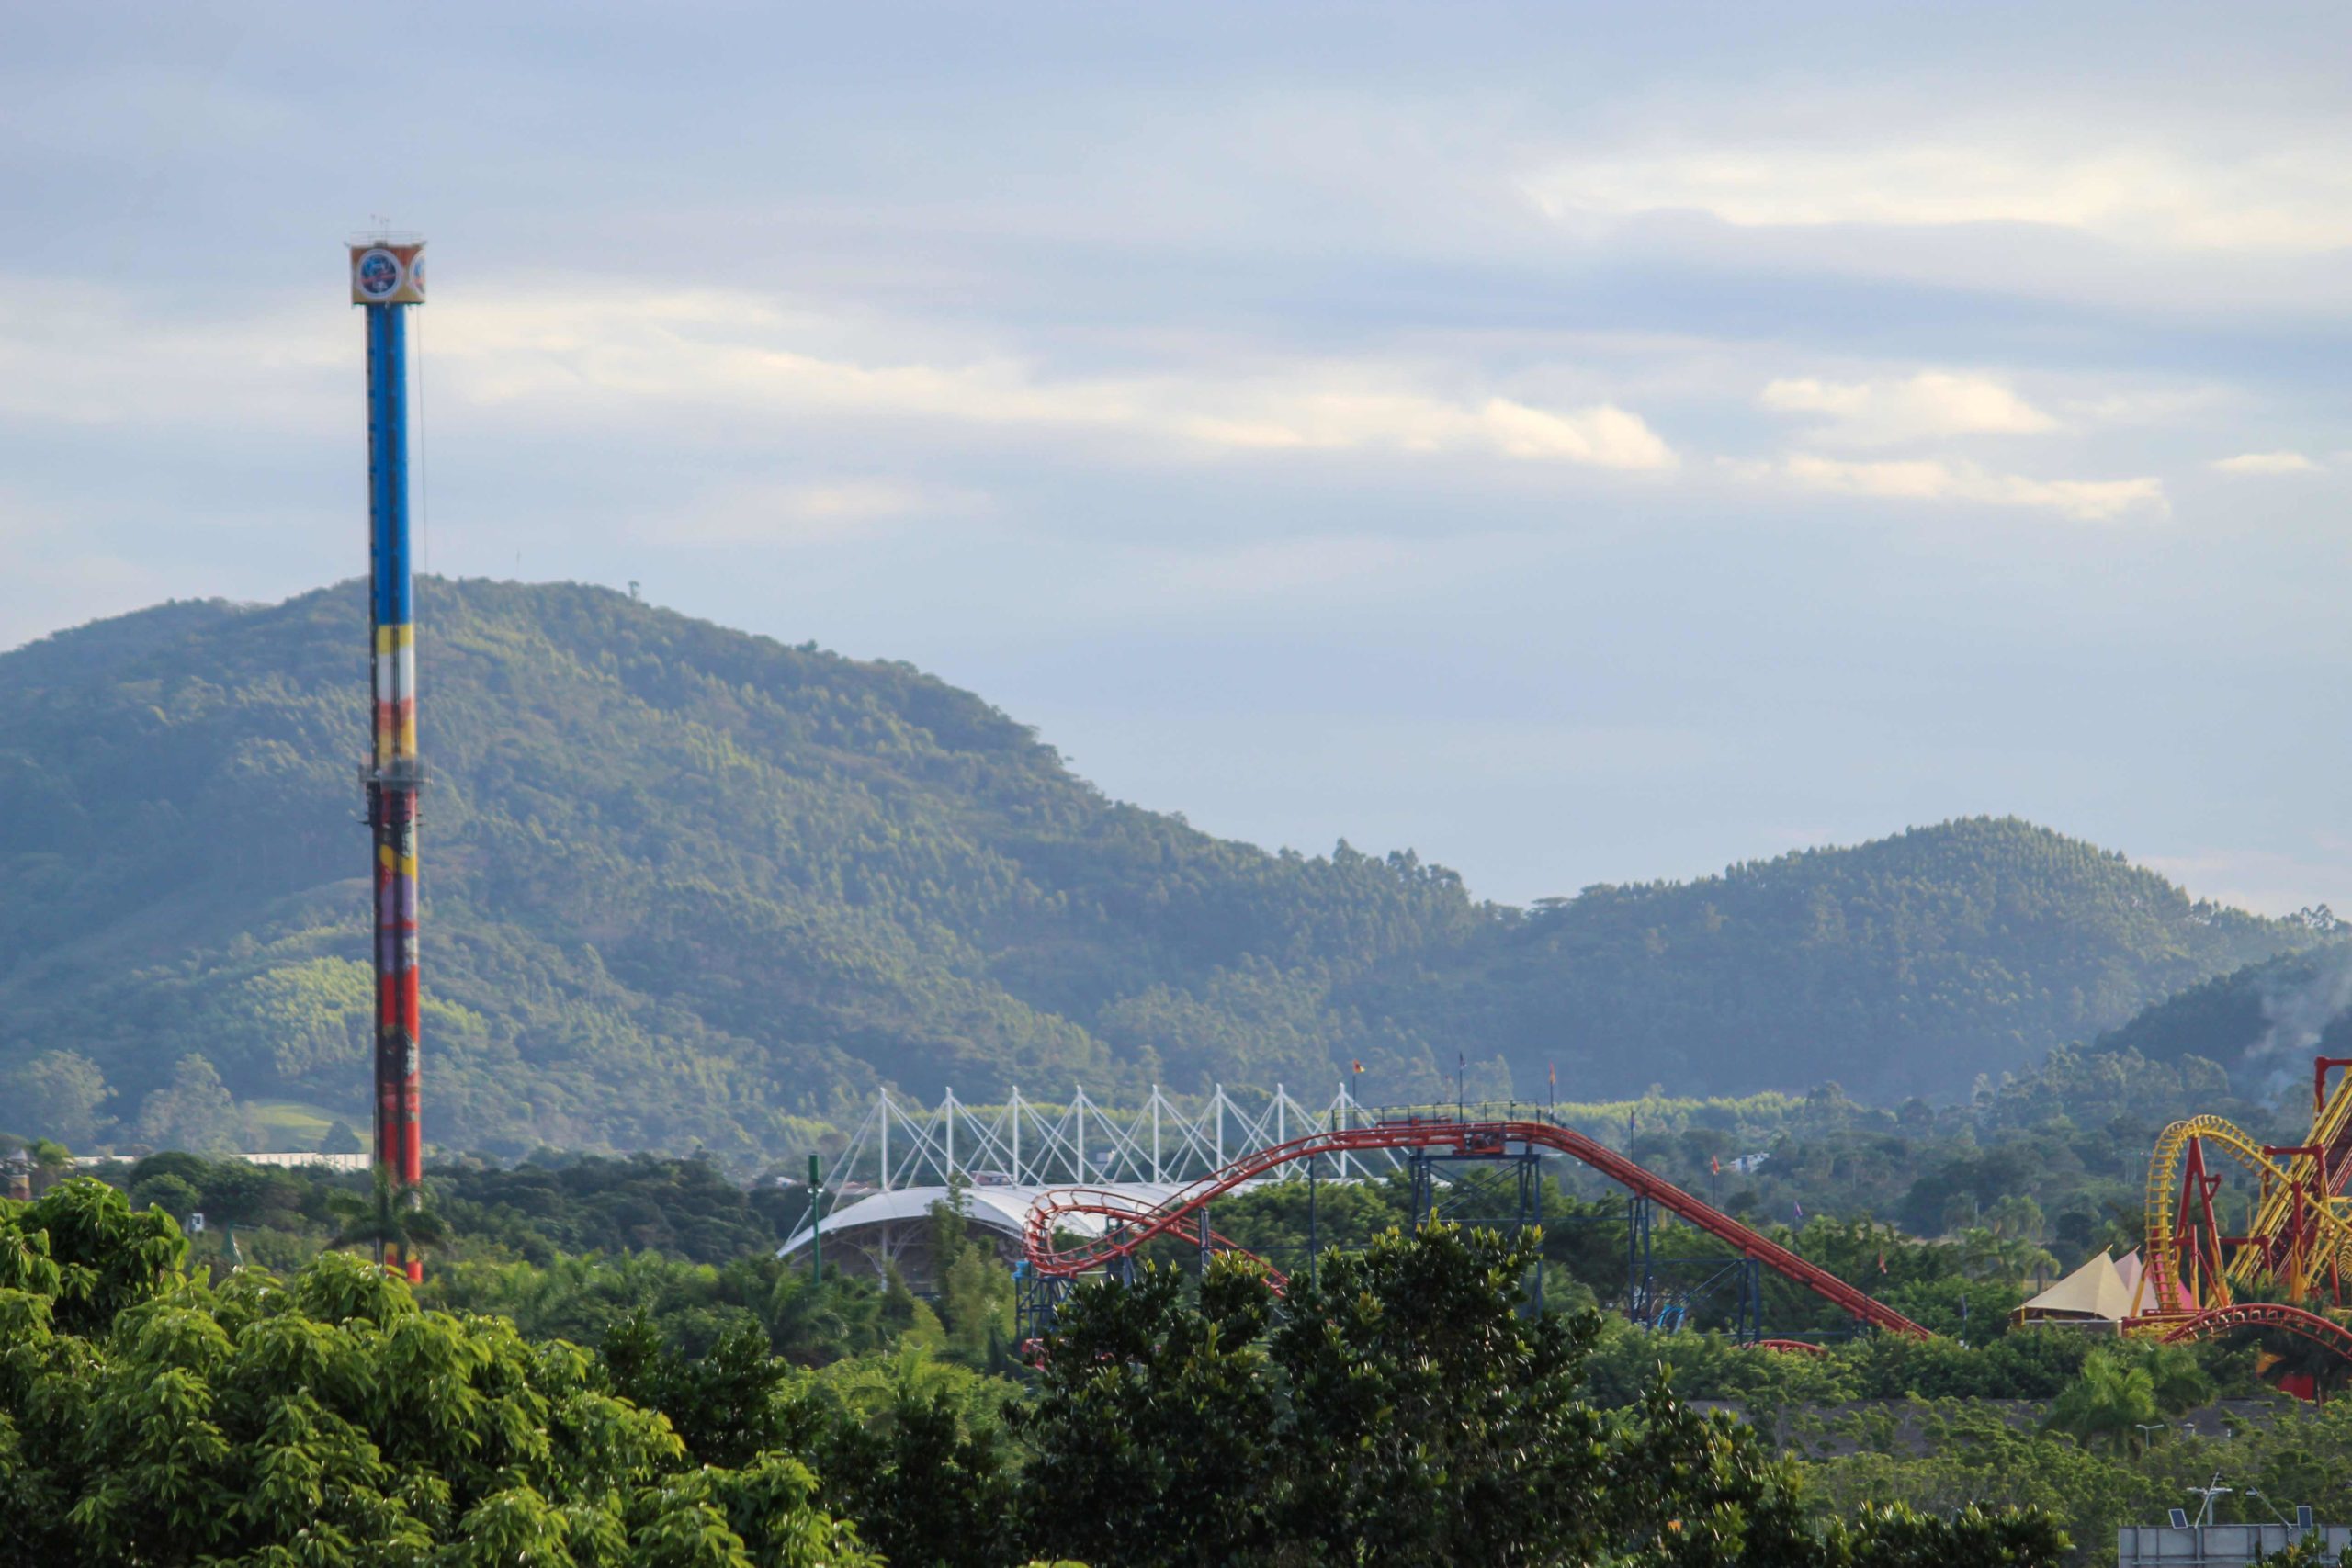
389 574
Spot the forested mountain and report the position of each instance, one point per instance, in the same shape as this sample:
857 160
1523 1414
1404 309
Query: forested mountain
688 885
2263 1023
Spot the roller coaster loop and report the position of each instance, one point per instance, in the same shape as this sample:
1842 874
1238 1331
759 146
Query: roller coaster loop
2296 1229
1051 1254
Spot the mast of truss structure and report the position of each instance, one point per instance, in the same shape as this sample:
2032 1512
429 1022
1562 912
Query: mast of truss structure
387 280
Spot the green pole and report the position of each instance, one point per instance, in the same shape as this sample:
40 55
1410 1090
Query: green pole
816 1233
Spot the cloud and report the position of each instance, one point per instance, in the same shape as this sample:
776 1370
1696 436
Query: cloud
567 354
2266 463
742 355
2294 199
1931 404
824 512
1305 416
2087 500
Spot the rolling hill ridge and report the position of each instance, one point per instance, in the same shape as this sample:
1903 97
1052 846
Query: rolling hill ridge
686 885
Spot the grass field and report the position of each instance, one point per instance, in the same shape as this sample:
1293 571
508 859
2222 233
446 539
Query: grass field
288 1126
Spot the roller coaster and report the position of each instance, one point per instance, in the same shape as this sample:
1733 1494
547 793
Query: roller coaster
2298 1237
1055 1254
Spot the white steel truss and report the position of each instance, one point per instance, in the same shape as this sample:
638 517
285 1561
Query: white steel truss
1025 1142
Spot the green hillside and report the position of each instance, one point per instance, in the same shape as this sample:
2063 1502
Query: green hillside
2264 1022
686 884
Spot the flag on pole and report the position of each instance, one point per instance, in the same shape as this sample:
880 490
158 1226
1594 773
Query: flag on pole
1800 1209
1882 1262
1714 1164
1355 1067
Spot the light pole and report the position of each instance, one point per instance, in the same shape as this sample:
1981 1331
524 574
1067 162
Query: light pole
2256 1492
2211 1491
816 1221
2148 1426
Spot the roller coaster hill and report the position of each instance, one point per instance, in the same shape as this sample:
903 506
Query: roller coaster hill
1083 1188
1075 1231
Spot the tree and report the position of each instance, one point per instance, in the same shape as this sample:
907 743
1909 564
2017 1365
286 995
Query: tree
1447 1422
728 1405
196 1113
1408 1408
975 1291
927 1487
391 1218
51 1159
145 1418
57 1095
1156 1435
2107 1403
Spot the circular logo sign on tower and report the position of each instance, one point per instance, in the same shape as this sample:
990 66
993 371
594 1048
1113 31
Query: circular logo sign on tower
377 274
387 271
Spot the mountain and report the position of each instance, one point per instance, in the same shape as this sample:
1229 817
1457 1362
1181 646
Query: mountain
2263 1023
687 884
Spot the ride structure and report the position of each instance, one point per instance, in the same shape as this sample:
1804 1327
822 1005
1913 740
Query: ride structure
388 280
2298 1235
1078 1230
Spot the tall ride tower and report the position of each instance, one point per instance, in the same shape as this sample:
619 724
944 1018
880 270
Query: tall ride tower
388 278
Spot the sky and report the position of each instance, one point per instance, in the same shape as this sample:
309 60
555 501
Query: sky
1578 443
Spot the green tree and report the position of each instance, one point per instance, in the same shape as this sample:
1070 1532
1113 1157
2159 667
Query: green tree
391 1217
1408 1408
57 1095
1155 1438
195 1112
2107 1403
148 1418
974 1289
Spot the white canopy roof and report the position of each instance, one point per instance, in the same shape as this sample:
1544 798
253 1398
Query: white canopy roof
1000 1207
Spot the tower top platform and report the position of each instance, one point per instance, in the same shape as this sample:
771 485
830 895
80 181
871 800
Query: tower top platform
388 269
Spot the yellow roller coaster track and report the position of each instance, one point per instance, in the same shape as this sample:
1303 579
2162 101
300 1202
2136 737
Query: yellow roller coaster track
2335 1114
2270 1218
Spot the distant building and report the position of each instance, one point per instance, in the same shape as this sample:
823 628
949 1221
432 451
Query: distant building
2182 1544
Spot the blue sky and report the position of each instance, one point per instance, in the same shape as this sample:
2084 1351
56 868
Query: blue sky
1580 443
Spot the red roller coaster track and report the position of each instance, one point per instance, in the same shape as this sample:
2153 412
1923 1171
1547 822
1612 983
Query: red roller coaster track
1137 1224
2264 1315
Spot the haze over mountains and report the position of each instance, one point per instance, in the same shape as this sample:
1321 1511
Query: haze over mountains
684 885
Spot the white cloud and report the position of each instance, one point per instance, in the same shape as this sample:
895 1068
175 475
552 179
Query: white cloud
812 514
2266 463
2295 199
1303 415
717 353
77 354
2087 500
556 353
1931 404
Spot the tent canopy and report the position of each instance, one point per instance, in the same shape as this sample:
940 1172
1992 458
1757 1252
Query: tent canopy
2094 1294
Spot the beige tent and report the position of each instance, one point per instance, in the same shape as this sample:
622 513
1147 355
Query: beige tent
2095 1293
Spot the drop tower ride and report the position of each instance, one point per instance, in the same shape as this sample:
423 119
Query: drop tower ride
388 279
